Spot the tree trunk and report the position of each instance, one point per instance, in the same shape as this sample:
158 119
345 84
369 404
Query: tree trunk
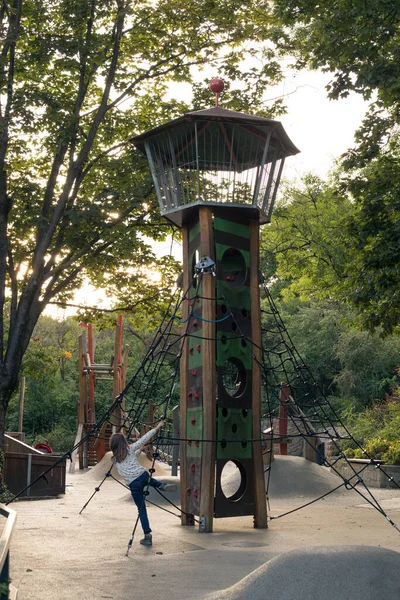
8 385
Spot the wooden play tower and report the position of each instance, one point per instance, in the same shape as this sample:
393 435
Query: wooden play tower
216 173
91 372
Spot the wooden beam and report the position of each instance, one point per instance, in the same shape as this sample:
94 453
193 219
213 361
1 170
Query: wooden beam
209 378
260 517
82 381
116 383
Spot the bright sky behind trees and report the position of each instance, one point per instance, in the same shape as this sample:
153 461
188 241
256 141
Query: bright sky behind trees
321 128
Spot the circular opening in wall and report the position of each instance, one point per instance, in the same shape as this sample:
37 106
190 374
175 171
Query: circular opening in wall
233 480
234 377
233 266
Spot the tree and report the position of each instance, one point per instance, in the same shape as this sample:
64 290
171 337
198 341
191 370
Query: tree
358 42
307 244
77 79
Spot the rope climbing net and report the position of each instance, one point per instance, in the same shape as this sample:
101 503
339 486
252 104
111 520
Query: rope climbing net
290 396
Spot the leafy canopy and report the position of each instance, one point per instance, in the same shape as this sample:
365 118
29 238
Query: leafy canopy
79 78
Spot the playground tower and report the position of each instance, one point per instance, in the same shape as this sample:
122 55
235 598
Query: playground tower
216 173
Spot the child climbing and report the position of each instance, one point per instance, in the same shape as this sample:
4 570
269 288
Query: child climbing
136 477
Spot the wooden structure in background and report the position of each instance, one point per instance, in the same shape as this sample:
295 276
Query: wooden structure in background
89 373
24 464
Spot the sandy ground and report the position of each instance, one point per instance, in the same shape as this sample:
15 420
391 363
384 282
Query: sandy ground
59 554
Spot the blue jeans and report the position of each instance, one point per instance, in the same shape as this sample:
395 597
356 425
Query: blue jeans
137 487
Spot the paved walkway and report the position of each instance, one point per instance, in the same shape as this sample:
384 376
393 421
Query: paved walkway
58 554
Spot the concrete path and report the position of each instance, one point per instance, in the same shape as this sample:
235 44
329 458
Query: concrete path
58 554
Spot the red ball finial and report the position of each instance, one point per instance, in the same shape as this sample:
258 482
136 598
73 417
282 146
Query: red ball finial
216 85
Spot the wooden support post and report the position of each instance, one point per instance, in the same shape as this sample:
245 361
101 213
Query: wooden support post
91 416
116 367
209 376
175 445
21 405
283 418
260 517
186 519
82 391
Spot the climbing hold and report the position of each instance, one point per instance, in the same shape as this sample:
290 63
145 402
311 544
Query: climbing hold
188 491
190 442
190 394
196 395
198 348
193 467
196 443
191 351
195 494
193 421
195 323
194 372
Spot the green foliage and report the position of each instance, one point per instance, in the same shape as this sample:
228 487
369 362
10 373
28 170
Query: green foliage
78 79
358 42
314 328
367 368
374 229
60 438
392 455
378 431
308 240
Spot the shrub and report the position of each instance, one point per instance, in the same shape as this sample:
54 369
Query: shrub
377 447
392 456
349 453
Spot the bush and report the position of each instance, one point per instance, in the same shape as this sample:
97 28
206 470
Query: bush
377 447
392 456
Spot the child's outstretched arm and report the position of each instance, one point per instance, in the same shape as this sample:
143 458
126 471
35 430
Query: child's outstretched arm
146 437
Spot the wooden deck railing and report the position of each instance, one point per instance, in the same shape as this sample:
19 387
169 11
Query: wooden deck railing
7 591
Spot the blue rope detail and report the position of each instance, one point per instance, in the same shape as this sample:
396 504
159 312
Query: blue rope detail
201 319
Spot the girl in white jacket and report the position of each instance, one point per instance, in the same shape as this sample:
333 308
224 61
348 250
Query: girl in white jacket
136 477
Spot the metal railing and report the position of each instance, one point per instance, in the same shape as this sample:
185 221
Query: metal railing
7 591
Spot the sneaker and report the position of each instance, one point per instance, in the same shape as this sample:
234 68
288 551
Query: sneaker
147 540
168 487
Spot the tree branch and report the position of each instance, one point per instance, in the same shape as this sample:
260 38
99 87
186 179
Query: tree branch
126 308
